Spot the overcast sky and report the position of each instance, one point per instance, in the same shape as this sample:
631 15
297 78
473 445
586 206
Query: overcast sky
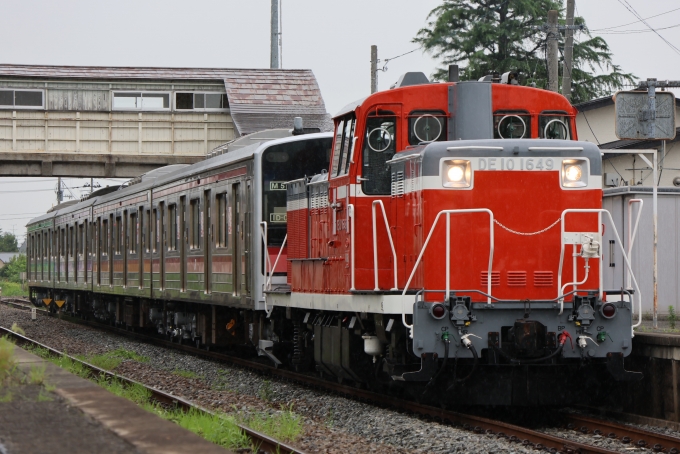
332 39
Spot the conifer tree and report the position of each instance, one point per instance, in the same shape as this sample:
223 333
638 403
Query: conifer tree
485 36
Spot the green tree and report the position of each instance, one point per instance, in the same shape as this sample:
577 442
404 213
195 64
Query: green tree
11 270
484 36
8 242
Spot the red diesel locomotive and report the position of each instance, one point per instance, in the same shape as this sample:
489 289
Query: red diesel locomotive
455 232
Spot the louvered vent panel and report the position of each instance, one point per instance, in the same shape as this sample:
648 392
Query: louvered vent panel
397 183
517 278
543 278
495 278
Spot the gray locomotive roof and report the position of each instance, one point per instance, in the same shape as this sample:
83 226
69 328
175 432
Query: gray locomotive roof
179 174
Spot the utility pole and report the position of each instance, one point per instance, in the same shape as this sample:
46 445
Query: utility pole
60 193
568 51
275 58
551 51
374 69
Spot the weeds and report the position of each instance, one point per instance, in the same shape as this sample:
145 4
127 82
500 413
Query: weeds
219 429
42 397
12 289
185 373
111 360
6 398
266 392
330 418
672 316
36 376
104 361
39 351
285 425
7 362
128 354
17 329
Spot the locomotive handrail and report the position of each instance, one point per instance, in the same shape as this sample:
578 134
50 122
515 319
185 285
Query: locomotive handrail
350 213
631 238
448 255
623 251
265 256
268 285
375 245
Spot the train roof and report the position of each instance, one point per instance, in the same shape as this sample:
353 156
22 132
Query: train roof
157 177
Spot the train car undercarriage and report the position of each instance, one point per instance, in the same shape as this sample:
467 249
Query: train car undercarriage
360 349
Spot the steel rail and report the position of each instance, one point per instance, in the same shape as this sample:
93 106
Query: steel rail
514 433
626 434
265 442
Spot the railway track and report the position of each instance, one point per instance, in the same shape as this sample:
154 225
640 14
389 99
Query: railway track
265 442
524 436
657 442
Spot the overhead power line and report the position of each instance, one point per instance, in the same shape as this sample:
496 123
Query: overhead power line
626 32
630 8
634 22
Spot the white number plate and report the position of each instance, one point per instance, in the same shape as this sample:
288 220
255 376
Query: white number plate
518 164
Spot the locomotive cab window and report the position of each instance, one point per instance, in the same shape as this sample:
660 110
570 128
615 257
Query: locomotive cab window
280 164
511 124
379 147
425 126
343 146
554 125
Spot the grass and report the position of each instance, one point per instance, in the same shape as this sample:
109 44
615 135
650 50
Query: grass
111 360
12 289
43 396
7 361
185 373
266 392
36 376
284 426
17 329
672 317
220 429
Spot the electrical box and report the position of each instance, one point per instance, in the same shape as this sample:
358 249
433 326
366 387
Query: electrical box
611 180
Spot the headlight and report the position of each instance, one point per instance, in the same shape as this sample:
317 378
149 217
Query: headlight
575 173
572 172
456 173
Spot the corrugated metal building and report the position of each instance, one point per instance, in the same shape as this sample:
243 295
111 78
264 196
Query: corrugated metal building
148 111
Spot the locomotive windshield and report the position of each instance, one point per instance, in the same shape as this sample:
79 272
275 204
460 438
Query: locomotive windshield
283 163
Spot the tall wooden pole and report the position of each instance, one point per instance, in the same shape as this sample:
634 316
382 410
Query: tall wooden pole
568 51
552 51
374 69
274 61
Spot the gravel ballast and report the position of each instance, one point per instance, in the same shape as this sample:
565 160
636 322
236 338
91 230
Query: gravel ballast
332 424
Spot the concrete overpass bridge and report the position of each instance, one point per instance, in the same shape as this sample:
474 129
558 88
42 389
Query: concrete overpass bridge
69 121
